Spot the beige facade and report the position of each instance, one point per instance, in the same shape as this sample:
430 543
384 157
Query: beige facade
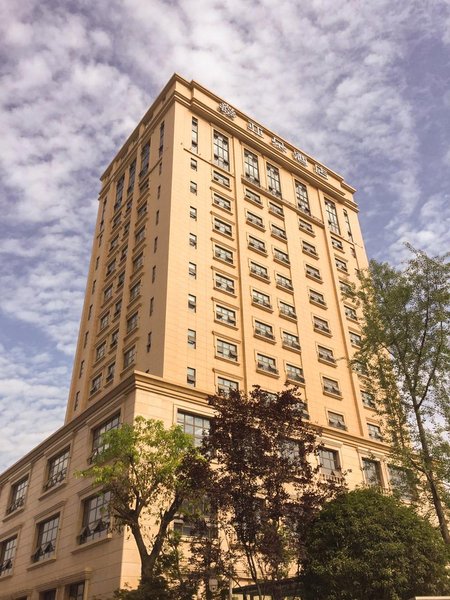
219 259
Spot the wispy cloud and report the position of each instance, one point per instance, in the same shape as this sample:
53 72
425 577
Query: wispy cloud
357 84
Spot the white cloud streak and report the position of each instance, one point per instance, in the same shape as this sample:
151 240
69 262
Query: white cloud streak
339 78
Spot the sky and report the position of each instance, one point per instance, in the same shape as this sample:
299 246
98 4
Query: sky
363 85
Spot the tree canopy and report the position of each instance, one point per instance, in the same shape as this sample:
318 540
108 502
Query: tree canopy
405 353
366 546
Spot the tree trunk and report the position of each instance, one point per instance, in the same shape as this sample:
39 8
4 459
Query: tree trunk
431 480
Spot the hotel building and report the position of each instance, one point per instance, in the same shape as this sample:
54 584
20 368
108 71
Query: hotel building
219 259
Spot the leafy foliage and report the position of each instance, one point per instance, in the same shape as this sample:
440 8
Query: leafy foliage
366 546
405 352
150 471
264 482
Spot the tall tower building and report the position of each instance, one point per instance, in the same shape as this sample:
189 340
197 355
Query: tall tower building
219 259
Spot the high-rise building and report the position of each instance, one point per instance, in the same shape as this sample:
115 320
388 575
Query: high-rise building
219 259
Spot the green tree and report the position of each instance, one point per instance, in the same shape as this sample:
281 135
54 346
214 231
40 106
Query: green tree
405 354
265 482
150 471
366 546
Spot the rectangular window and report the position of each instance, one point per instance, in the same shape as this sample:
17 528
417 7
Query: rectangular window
251 170
193 270
345 288
7 554
283 282
192 338
131 177
57 469
336 420
321 325
350 313
302 198
117 308
155 244
355 339
304 226
329 461
264 330
254 220
295 374
400 482
142 211
223 227
161 139
192 303
114 338
18 493
277 231
316 298
225 386
193 164
193 187
47 532
368 399
76 591
96 519
135 290
312 272
273 180
193 240
129 357
221 151
290 340
276 209
196 426
222 179
98 443
153 273
100 351
341 265
347 223
226 350
193 213
96 384
224 283
374 432
119 192
223 254
325 354
287 310
281 256
256 244
132 322
110 372
372 472
120 280
111 267
337 244
194 135
261 299
259 270
138 262
191 376
333 222
145 159
48 595
266 364
249 195
308 248
225 315
331 386
140 235
222 202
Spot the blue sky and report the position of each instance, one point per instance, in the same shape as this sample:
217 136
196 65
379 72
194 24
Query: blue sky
362 85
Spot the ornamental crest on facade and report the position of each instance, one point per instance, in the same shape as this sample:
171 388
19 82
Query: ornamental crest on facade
278 144
299 157
227 110
321 171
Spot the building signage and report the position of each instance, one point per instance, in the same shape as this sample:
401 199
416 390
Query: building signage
321 171
278 144
299 157
253 127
